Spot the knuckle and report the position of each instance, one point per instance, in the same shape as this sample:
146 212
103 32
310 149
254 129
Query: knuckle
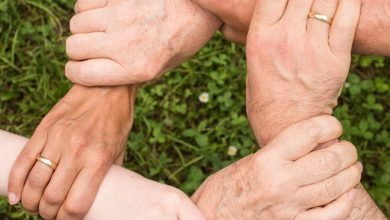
78 143
71 46
35 180
29 204
26 156
350 149
53 197
311 128
103 160
332 189
75 208
45 212
328 3
73 25
150 73
356 174
331 161
68 70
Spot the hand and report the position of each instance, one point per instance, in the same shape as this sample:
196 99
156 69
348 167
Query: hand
287 179
85 133
371 38
119 42
138 198
301 73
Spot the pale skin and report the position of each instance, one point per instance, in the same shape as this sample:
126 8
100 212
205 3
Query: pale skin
123 194
313 87
129 196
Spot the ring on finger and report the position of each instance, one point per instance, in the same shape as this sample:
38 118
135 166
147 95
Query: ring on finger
321 17
47 162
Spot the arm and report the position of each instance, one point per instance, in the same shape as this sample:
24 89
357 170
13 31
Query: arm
293 83
372 35
122 195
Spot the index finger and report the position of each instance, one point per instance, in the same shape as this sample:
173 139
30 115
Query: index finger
301 138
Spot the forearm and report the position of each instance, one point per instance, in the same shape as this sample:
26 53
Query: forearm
372 36
120 195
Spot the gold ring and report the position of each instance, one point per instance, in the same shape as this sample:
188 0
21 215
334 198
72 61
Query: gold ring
47 162
321 17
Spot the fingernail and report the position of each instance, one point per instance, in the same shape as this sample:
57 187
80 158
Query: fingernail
12 200
351 194
360 166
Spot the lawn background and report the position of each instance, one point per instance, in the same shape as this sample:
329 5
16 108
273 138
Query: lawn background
177 139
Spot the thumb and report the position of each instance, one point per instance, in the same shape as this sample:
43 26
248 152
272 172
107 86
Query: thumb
97 72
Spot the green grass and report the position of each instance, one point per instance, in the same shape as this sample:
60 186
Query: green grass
177 139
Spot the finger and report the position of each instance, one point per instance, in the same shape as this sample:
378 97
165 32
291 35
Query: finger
39 177
88 21
297 12
234 35
343 29
84 5
317 28
301 138
58 188
322 164
337 210
88 46
82 194
97 72
324 192
24 163
268 12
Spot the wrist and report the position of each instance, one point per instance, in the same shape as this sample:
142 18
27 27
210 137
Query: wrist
269 118
374 28
364 207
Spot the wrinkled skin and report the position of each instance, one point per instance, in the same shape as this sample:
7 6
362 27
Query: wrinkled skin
371 37
291 82
287 179
85 133
118 42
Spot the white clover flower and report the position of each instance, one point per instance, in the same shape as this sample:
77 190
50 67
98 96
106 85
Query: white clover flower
204 97
347 85
232 151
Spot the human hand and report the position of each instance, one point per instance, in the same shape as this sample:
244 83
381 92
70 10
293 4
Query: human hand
371 37
306 63
85 133
291 178
136 197
118 42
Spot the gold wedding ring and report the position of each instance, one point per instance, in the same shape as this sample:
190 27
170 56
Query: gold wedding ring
321 17
47 162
